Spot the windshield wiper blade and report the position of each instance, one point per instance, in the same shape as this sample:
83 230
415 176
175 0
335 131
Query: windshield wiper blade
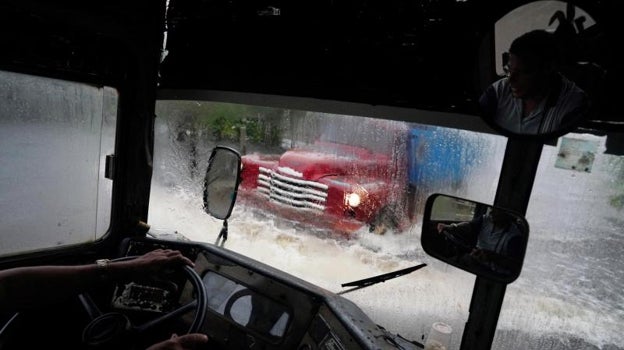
378 279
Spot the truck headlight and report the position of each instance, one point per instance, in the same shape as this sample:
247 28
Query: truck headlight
353 200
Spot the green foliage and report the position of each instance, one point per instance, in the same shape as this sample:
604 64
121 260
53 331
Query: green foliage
262 131
223 121
225 128
254 129
617 201
617 198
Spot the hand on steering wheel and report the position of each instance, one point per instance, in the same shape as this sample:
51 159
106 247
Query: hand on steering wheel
116 327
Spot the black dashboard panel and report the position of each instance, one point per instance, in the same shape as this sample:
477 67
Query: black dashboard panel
251 305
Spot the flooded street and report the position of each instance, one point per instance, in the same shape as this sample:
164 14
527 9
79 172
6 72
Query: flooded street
567 297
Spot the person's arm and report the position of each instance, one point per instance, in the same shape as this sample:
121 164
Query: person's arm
183 342
462 228
28 287
488 102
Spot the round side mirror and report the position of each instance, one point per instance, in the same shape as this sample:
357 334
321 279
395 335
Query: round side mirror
547 70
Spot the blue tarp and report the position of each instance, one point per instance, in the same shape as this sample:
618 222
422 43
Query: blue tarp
439 155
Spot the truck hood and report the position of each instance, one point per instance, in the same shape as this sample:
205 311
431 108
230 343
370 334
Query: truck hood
313 165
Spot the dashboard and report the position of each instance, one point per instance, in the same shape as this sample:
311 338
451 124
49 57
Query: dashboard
254 306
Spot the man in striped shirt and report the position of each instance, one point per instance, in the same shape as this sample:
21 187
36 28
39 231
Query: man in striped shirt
534 98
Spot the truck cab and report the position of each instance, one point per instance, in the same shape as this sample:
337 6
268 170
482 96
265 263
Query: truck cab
341 175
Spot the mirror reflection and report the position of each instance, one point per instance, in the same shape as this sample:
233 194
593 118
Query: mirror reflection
549 74
487 241
221 182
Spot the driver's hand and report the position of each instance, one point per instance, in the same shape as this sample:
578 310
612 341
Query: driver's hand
183 342
441 227
480 254
156 261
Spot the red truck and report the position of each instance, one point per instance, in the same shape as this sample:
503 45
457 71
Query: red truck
343 182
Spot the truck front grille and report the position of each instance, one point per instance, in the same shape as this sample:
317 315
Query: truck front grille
292 191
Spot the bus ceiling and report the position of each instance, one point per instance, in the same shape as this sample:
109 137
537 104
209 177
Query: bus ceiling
408 55
437 56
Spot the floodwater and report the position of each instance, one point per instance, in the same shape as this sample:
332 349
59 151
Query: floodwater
569 295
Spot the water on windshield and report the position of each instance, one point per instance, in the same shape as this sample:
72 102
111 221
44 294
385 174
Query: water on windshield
567 297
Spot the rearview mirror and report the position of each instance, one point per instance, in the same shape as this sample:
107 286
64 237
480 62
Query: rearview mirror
486 241
547 70
221 182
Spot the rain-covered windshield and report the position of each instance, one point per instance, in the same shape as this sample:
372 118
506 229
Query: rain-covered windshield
358 132
568 294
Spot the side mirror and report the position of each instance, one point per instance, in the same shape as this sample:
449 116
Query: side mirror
221 182
487 241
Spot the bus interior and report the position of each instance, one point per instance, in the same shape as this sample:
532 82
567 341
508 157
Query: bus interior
120 120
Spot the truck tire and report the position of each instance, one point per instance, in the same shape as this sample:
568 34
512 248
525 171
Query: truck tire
385 220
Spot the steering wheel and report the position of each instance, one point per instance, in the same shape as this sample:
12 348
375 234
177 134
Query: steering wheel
116 328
